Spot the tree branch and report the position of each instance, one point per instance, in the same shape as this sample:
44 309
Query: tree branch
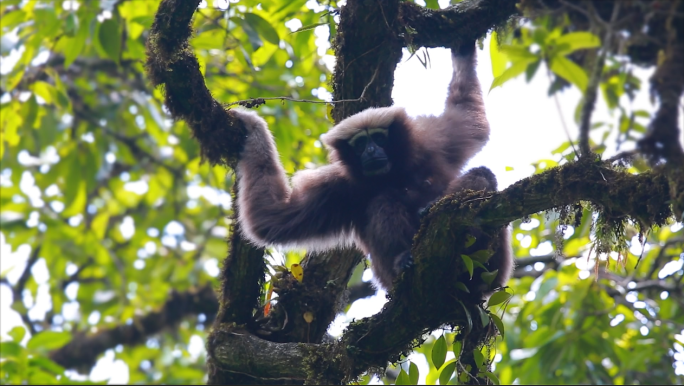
172 64
465 21
83 350
643 197
260 357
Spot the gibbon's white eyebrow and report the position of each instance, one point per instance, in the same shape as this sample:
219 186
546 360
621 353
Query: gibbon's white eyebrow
366 133
380 130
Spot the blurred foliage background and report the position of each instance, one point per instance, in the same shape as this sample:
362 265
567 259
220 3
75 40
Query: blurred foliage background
109 214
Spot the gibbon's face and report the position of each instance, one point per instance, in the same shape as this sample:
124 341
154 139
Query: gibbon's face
369 146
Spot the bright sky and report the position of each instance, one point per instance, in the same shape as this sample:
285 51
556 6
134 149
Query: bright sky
525 126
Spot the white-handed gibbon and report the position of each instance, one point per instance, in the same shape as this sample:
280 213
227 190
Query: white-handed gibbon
384 168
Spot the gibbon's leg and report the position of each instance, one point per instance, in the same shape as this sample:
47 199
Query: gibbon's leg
387 236
315 213
482 178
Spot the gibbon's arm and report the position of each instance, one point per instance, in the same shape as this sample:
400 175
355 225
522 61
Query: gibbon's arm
462 129
314 213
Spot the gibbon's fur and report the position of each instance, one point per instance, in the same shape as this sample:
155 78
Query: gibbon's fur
343 203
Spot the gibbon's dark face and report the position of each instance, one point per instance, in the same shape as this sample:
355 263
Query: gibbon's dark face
369 146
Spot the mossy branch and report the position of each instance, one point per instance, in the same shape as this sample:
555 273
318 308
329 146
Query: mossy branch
84 349
172 64
465 21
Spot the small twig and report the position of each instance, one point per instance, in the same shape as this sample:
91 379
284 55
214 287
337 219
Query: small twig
562 118
256 102
589 100
21 284
661 257
383 15
75 277
582 11
622 155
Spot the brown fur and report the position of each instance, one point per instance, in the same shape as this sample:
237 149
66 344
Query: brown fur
336 205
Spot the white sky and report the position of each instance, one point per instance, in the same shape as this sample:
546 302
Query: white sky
525 127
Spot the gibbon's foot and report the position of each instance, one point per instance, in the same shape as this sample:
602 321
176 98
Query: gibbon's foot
480 178
403 262
424 211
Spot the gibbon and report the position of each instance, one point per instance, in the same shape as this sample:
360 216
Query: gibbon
384 168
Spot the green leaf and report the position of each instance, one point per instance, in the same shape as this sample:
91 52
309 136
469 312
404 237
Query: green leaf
252 36
447 372
531 70
575 41
71 25
481 256
48 340
497 57
517 53
477 264
32 46
10 81
17 333
432 4
46 364
99 224
462 287
470 240
19 306
145 20
44 90
263 27
110 38
47 22
468 263
498 298
10 349
484 317
560 149
499 324
308 27
40 377
403 378
546 287
488 277
75 196
75 45
469 319
492 377
456 348
509 74
11 19
569 71
186 373
29 111
539 36
414 373
478 357
439 352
